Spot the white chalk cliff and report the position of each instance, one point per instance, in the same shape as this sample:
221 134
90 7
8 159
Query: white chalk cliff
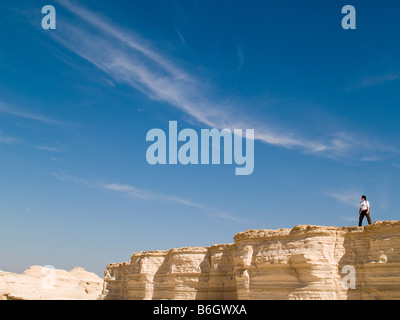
40 283
306 262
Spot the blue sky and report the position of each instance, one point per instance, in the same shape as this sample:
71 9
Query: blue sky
77 102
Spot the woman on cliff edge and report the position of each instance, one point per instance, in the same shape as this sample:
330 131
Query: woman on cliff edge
364 211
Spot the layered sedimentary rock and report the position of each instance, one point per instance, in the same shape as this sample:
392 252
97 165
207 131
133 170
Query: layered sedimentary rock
40 283
306 262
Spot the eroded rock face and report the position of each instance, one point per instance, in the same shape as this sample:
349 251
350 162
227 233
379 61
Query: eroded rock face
40 283
306 262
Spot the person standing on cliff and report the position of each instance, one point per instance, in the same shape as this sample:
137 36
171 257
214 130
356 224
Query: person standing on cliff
364 211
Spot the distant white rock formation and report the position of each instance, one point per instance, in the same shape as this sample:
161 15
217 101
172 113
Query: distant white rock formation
40 283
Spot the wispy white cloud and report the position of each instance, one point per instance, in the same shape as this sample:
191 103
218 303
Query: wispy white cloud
134 192
8 139
373 81
129 59
21 113
353 218
241 58
131 191
179 33
49 148
350 198
356 146
370 159
228 217
132 60
55 159
69 178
